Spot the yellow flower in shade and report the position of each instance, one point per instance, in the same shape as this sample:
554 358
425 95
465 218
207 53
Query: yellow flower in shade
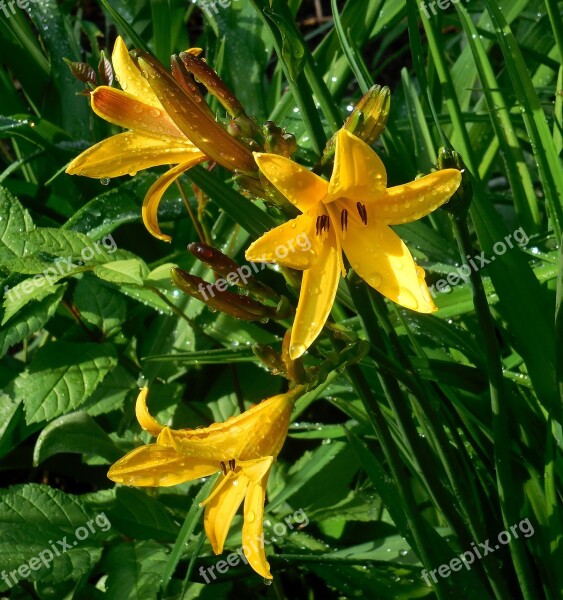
351 213
243 448
152 138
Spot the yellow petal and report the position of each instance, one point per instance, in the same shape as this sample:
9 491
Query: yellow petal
253 527
358 172
382 260
222 507
129 76
146 421
293 244
130 112
130 152
154 465
259 431
156 191
318 290
300 186
414 200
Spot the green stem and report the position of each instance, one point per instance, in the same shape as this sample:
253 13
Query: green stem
187 529
508 492
396 465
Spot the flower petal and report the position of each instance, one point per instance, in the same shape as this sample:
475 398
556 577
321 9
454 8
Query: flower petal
382 260
146 421
154 465
300 186
253 527
130 112
318 290
358 172
293 244
222 507
414 200
129 76
257 432
129 152
156 191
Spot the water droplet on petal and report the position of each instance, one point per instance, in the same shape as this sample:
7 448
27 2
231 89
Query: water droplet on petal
406 298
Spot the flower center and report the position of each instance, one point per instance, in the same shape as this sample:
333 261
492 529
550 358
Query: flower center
231 466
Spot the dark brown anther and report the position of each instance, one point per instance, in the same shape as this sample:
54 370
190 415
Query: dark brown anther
323 224
223 467
232 464
362 211
344 220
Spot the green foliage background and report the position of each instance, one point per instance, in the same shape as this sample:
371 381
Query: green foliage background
400 461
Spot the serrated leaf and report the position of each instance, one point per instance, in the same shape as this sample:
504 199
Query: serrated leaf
102 307
135 570
62 377
124 272
14 220
142 517
75 433
72 244
34 288
29 320
32 517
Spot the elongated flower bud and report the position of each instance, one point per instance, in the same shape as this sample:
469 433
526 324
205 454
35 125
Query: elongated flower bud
227 267
194 121
220 299
458 205
368 119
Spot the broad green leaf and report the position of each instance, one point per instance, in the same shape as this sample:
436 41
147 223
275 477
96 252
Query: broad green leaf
76 433
123 272
99 305
140 516
134 570
36 288
14 220
32 517
71 245
32 318
61 377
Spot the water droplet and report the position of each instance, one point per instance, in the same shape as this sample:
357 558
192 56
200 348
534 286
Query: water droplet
406 298
105 181
250 516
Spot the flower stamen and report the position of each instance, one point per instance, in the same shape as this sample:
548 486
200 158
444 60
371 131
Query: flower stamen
223 467
323 224
344 219
362 211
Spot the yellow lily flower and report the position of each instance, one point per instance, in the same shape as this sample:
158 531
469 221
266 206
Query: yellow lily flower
351 213
152 139
243 448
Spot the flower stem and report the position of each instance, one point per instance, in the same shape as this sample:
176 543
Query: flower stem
508 492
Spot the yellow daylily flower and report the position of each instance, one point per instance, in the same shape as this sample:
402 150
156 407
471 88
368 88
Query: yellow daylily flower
243 448
152 139
351 213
